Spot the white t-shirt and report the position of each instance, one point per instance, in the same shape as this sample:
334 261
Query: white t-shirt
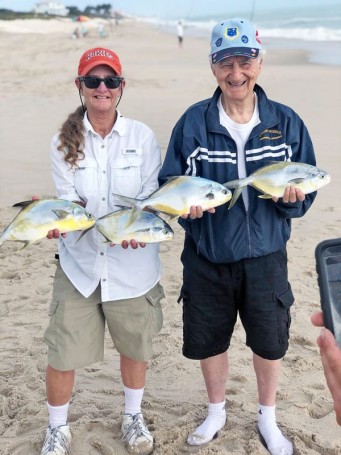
127 162
240 133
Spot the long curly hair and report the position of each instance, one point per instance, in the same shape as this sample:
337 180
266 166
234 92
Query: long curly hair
72 137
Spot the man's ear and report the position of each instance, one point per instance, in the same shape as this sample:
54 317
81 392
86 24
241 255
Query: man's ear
78 84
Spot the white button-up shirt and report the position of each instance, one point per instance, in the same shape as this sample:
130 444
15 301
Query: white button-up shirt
127 162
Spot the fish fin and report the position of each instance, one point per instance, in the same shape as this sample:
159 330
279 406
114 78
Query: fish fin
61 213
134 214
26 244
265 196
235 196
296 181
23 204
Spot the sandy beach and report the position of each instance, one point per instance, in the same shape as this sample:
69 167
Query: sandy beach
39 63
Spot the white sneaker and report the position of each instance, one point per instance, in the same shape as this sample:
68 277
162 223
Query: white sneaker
57 441
136 435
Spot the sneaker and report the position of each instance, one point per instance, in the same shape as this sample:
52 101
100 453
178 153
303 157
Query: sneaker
57 441
136 435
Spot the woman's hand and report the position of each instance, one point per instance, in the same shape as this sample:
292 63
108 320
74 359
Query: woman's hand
126 243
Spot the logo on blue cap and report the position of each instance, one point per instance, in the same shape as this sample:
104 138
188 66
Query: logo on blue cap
232 33
244 39
218 42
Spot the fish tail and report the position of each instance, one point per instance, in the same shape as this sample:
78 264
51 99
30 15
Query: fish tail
136 204
235 196
125 200
83 233
232 183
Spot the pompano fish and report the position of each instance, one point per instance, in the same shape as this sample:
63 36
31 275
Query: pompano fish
178 194
38 217
147 227
272 179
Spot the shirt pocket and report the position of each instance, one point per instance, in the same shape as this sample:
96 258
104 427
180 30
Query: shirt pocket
126 176
85 181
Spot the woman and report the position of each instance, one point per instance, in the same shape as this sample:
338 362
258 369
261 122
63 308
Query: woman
97 154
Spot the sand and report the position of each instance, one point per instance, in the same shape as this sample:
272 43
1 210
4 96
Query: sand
37 92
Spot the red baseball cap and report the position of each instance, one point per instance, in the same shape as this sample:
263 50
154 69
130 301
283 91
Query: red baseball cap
99 56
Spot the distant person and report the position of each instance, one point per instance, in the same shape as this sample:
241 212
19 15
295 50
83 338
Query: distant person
76 33
235 261
331 361
97 154
101 30
180 31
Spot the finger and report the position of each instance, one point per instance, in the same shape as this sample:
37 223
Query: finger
133 244
211 210
125 244
142 244
35 198
300 195
286 195
317 319
292 194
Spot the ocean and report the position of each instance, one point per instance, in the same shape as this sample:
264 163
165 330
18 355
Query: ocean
315 29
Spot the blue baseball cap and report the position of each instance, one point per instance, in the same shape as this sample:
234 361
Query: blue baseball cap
234 37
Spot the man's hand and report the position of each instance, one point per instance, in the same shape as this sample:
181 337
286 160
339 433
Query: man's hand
291 194
196 212
331 361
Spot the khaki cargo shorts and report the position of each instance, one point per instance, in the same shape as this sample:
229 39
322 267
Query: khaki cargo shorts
75 334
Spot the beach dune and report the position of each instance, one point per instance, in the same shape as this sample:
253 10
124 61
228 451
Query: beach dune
38 92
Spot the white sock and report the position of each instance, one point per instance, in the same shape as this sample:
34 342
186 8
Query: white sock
276 443
214 421
58 414
133 400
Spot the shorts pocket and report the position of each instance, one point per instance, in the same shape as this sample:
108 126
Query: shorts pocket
285 300
52 307
154 297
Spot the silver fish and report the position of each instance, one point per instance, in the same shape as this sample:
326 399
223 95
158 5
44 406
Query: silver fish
147 227
178 194
38 217
272 179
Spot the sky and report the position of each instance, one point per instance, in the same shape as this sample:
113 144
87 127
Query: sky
177 8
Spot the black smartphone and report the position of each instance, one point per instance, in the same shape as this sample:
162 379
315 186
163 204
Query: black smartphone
328 267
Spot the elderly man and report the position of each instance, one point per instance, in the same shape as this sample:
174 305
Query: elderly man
235 261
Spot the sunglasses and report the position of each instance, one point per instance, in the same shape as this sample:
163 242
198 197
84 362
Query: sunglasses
94 82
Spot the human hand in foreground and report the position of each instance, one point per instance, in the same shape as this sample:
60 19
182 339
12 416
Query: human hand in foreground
291 194
125 244
196 212
331 361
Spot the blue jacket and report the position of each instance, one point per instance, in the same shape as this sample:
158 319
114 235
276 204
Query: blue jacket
200 146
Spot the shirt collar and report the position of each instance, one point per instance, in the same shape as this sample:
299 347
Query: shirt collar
119 126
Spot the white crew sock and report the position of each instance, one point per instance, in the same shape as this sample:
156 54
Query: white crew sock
133 400
58 414
214 422
276 443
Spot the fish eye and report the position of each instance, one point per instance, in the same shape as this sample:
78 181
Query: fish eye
224 191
